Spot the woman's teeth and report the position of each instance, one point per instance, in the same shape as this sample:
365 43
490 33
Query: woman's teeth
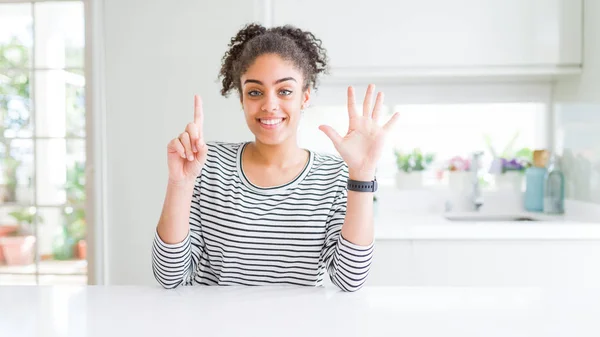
271 121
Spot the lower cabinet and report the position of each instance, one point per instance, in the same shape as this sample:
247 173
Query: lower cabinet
486 263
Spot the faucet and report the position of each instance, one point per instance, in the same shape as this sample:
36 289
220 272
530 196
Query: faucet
476 195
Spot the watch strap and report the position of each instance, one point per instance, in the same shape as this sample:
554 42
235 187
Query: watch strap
362 186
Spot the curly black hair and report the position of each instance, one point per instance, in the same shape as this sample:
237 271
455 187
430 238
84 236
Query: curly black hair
300 47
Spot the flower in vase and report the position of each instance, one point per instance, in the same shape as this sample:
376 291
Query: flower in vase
503 165
458 163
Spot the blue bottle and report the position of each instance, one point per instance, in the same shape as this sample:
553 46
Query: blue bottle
554 188
535 177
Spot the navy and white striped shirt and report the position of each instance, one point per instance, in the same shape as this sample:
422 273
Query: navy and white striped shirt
242 234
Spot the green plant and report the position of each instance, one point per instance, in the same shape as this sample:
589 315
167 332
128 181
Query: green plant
10 166
25 218
413 161
74 229
508 153
509 159
75 184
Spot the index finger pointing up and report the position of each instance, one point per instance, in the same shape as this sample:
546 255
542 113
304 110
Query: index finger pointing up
198 115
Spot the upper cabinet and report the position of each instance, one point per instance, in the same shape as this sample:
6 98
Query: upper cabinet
442 36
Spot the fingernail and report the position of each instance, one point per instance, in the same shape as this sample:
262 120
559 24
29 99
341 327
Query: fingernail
194 148
182 155
190 157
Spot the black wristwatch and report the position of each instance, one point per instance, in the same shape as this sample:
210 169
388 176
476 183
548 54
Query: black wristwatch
362 186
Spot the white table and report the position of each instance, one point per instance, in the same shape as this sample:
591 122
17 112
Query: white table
297 311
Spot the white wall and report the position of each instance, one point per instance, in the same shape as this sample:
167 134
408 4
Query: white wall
150 83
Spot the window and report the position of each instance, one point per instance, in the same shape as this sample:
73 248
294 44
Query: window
447 121
42 143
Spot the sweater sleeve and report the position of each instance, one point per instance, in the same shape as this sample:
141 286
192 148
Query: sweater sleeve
175 264
348 264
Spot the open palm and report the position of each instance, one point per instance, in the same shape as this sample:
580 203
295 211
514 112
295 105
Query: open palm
362 145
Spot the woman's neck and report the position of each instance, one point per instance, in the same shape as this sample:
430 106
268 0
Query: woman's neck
282 155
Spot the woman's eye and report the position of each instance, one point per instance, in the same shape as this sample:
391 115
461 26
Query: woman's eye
254 93
285 92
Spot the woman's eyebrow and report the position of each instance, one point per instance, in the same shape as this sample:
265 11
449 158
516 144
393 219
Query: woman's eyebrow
276 82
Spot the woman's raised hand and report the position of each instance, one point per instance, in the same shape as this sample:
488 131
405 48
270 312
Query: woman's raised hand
186 154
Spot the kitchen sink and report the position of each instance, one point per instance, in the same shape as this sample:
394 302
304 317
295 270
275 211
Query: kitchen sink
482 217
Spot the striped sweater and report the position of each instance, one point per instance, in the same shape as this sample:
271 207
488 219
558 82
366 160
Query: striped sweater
242 234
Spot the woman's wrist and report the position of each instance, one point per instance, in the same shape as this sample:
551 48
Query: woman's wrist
361 175
184 183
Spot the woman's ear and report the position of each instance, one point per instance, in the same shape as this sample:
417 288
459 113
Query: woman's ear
306 98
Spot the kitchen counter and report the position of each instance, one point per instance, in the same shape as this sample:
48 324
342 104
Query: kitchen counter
406 226
297 311
419 215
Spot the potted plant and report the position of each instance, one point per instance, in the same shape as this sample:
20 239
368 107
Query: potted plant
411 167
458 169
508 167
18 246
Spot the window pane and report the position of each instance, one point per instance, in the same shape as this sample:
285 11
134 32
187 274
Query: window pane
16 165
450 130
15 36
60 103
59 34
15 103
60 171
62 240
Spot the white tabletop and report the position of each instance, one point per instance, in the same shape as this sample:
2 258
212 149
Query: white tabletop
297 311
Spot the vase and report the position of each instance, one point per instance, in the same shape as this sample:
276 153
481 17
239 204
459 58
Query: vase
18 250
510 180
409 180
460 186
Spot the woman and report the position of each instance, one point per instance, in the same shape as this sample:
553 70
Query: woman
267 211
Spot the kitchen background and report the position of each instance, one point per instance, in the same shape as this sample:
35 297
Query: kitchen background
92 91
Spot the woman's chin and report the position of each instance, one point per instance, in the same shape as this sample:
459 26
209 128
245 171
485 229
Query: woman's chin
271 139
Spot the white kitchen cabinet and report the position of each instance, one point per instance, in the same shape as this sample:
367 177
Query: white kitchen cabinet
387 37
487 263
393 263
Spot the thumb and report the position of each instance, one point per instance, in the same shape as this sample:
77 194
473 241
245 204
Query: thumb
332 134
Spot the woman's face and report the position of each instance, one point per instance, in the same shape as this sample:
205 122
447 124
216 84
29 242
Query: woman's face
272 98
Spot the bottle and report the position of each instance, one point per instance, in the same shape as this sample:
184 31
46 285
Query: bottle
534 182
554 188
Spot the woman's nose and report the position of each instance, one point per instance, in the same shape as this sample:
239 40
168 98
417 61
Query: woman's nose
271 103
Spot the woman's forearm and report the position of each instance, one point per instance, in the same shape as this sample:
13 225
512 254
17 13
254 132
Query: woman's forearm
358 224
173 225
